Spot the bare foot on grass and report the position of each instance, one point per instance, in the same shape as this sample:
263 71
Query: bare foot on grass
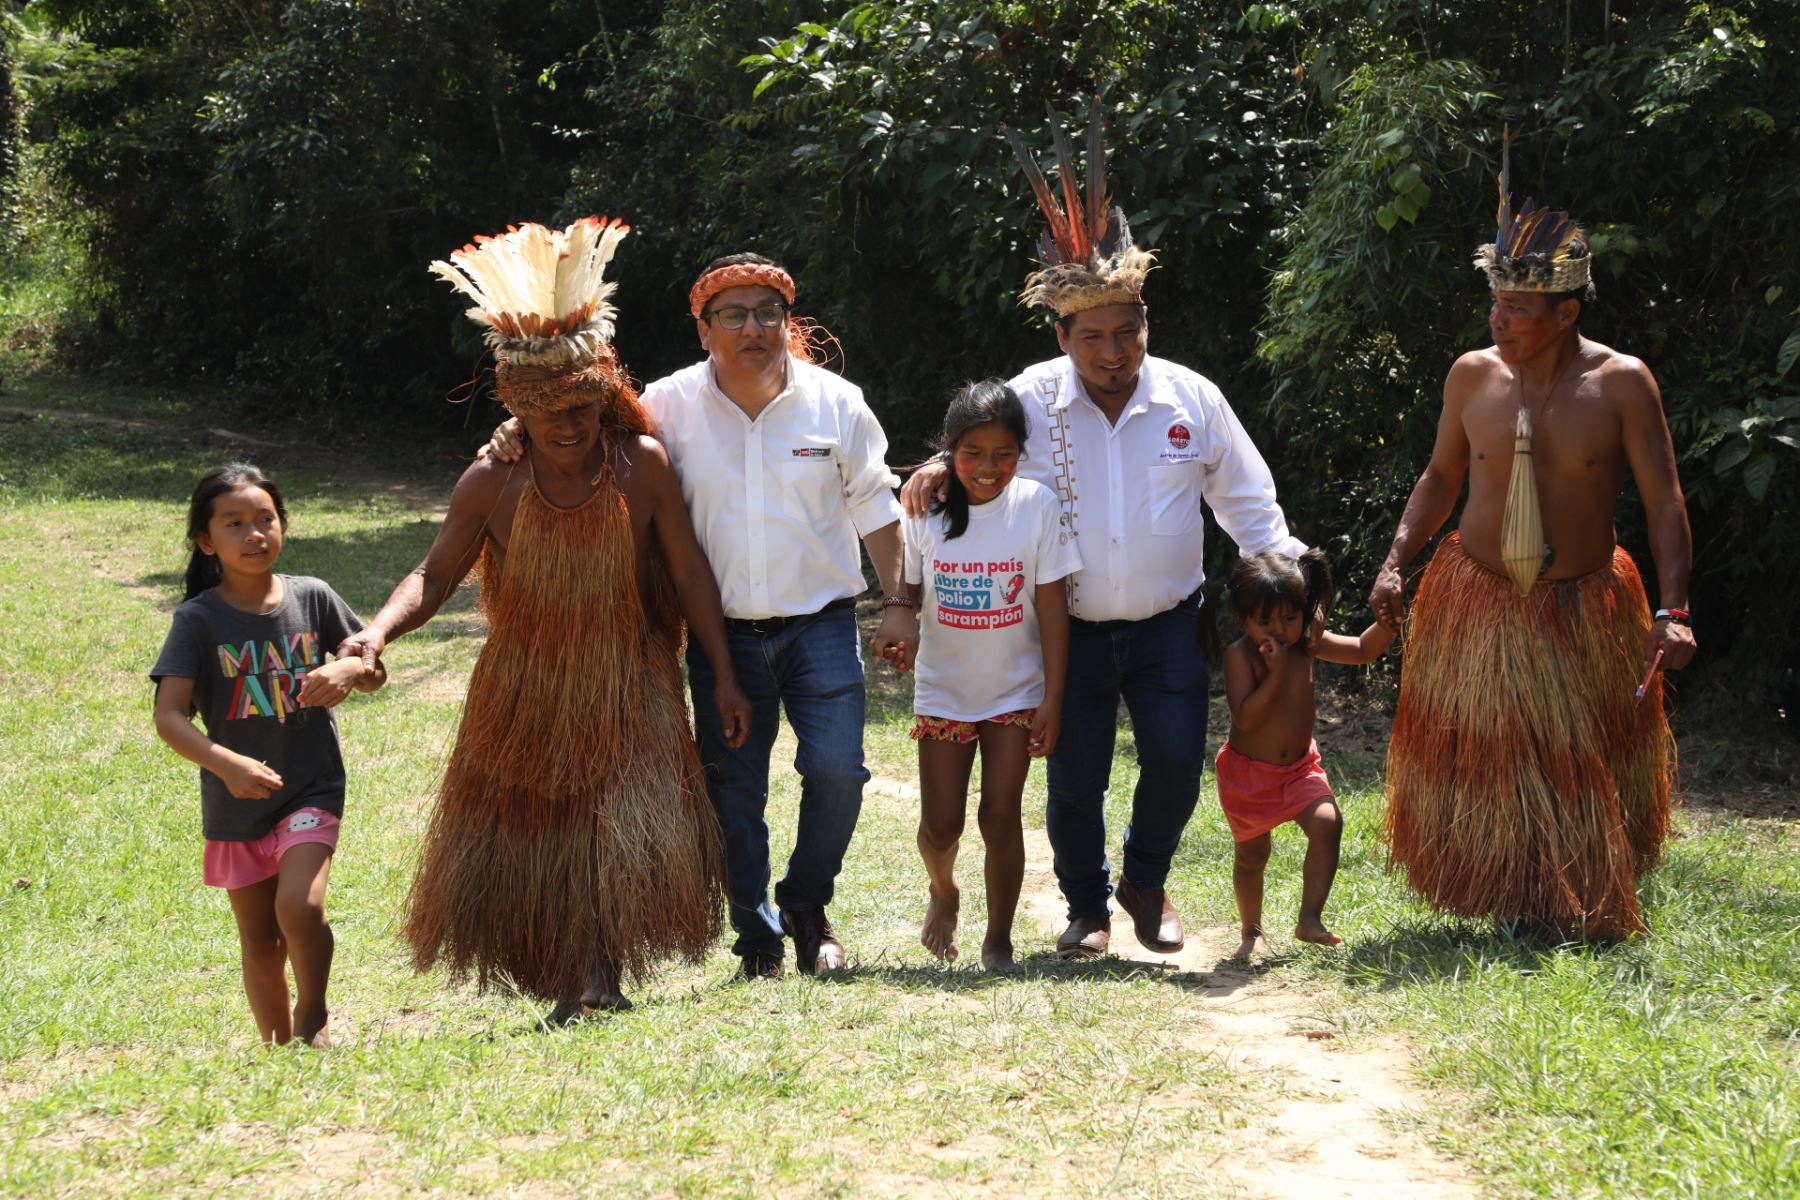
1253 943
311 1029
939 932
997 954
598 1001
603 993
1311 929
566 1012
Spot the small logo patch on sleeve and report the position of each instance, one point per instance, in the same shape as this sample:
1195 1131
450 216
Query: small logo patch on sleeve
811 452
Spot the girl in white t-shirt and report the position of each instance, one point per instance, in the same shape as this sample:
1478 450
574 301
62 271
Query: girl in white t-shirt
987 567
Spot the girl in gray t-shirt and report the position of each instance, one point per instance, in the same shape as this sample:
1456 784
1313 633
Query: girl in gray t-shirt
246 653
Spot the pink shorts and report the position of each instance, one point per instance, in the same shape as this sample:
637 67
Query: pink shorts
1258 796
240 864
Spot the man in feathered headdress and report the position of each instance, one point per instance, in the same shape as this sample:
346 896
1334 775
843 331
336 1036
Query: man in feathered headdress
1529 767
782 465
1132 445
571 845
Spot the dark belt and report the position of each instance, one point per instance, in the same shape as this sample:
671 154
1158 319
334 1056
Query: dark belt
1191 602
1102 626
777 624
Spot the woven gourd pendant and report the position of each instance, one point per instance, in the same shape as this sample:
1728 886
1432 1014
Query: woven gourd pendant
1522 524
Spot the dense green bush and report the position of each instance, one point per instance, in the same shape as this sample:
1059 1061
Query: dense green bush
1672 134
260 183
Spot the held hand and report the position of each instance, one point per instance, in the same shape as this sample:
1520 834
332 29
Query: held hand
1046 727
1274 654
897 639
932 479
734 711
326 686
248 779
1387 599
508 442
1675 641
366 645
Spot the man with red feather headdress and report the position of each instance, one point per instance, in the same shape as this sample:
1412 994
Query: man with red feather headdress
1132 445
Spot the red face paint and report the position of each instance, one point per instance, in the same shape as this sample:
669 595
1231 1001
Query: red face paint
1522 323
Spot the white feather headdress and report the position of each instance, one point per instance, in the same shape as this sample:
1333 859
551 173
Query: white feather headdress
540 291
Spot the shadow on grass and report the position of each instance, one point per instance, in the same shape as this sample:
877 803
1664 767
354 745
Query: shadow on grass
1432 950
1042 967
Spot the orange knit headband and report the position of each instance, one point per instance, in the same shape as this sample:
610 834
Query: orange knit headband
739 275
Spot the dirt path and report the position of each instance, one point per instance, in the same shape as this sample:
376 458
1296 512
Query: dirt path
1334 1137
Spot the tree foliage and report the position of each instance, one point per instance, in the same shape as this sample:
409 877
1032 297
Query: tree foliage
262 181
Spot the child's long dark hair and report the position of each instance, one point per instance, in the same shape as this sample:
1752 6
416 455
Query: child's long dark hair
1263 583
985 402
203 570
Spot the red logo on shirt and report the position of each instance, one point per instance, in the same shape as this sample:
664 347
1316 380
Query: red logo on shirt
1179 437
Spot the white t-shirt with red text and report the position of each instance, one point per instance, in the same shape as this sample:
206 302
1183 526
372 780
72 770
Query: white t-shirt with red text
979 655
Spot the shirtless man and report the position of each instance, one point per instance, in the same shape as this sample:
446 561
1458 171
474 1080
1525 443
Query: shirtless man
1595 411
1527 776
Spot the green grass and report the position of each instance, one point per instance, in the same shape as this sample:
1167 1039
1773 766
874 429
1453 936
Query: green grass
1662 1068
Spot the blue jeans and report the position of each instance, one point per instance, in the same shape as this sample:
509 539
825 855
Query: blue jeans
814 668
1157 667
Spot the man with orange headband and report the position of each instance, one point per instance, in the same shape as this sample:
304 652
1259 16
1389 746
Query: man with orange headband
783 468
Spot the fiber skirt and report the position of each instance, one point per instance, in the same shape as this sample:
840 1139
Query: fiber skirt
1524 778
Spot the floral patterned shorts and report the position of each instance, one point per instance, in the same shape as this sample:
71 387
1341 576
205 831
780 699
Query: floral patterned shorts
944 729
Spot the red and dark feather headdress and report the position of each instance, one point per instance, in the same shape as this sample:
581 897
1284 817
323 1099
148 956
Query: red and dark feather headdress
1089 259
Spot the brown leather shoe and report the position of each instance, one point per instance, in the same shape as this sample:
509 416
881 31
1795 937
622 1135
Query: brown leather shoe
1086 937
1153 918
816 945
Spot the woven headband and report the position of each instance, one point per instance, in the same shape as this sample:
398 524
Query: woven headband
739 275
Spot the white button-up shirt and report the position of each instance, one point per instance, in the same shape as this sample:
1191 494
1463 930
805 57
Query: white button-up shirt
780 502
1131 491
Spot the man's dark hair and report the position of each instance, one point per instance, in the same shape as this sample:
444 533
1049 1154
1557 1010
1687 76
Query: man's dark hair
1066 323
744 258
1584 295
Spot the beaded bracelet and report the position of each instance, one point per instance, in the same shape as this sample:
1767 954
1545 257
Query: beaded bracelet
898 602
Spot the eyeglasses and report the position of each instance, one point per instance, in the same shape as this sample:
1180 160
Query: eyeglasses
767 315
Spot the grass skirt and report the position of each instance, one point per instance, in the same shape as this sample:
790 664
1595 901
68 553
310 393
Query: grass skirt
572 818
1524 780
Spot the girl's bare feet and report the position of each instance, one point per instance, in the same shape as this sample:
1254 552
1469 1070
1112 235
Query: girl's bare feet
1311 929
997 954
311 1028
939 932
1253 943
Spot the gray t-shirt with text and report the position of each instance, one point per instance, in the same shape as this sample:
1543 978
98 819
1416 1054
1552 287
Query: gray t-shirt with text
247 669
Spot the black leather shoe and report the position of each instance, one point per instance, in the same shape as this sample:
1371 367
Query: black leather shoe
761 966
816 945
